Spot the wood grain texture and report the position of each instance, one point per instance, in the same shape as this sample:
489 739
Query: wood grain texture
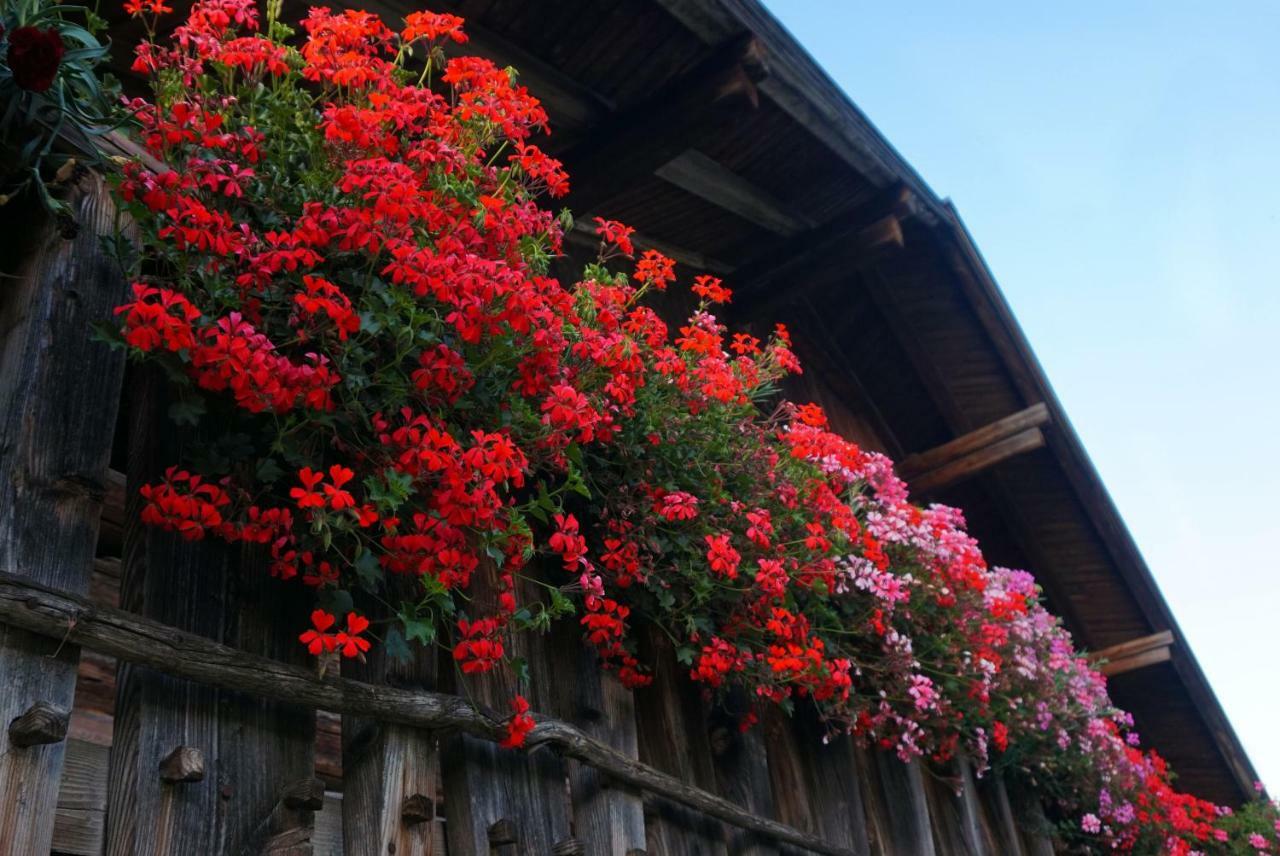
608 815
389 768
487 784
673 737
253 748
59 393
958 820
148 643
896 806
815 784
741 764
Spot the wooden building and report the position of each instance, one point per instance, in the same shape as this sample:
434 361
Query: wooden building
703 124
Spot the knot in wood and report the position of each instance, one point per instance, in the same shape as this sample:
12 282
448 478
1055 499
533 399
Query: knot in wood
41 723
183 764
305 794
417 808
502 832
568 847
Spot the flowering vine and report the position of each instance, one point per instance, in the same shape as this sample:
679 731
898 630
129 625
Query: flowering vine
346 275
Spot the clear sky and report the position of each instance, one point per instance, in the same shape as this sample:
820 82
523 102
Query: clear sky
1119 166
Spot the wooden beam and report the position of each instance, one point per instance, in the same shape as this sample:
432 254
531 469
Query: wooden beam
629 146
1134 654
1035 416
975 462
74 620
801 88
708 179
59 395
584 235
859 235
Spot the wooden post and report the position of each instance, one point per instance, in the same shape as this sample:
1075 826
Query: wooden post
504 801
673 738
815 786
608 817
958 818
257 754
59 394
896 805
741 764
391 773
1004 826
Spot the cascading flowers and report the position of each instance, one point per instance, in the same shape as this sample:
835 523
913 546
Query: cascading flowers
346 275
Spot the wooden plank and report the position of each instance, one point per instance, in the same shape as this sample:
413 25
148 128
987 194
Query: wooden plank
82 806
815 786
502 800
741 763
391 773
608 816
59 394
976 462
688 110
673 737
991 791
896 805
799 86
584 235
1035 416
1137 661
708 179
1133 647
148 643
958 820
254 750
82 800
776 273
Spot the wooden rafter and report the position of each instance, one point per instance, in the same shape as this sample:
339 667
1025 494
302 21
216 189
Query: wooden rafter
687 111
976 451
775 274
1135 654
708 179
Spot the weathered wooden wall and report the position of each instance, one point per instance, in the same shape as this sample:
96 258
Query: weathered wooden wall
158 765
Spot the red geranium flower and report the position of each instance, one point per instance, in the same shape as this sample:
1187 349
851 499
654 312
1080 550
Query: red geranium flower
34 56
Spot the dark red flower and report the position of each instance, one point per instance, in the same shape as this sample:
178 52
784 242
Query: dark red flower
34 56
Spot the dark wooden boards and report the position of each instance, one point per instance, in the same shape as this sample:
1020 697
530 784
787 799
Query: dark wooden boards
501 800
257 753
391 786
59 393
673 738
815 783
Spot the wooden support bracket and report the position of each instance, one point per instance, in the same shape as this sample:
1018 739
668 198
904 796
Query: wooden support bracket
775 274
970 454
687 111
1135 654
41 724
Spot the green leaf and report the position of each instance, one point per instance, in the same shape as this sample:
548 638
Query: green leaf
520 667
336 601
394 645
368 570
418 629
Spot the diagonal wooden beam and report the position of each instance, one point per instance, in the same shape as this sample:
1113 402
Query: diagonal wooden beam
775 274
708 179
976 451
1134 654
628 146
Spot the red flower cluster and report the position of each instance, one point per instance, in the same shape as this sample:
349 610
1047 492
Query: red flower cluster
354 267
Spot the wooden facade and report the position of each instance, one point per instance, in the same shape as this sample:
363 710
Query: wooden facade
752 165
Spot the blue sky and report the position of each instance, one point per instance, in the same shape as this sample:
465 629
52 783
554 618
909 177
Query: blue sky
1119 166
